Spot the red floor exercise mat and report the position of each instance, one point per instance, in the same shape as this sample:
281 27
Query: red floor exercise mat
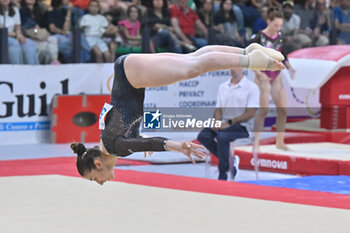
66 166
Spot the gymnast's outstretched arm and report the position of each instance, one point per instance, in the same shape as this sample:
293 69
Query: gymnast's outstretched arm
126 146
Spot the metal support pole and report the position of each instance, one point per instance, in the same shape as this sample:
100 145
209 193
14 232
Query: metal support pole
76 44
146 38
4 59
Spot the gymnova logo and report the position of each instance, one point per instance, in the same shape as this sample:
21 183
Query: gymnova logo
267 163
157 120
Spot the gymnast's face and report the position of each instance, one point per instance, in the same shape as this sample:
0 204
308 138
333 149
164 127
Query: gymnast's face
102 173
275 25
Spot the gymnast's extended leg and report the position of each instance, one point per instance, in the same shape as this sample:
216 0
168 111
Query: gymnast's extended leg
244 51
150 70
278 95
230 49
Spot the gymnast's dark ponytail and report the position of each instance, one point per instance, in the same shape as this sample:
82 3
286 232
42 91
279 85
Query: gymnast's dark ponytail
85 159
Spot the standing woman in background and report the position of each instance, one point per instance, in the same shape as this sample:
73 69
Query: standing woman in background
21 50
270 82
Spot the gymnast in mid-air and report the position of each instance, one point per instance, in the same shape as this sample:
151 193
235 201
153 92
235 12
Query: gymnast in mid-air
120 121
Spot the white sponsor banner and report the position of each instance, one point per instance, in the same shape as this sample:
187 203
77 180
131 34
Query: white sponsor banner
26 93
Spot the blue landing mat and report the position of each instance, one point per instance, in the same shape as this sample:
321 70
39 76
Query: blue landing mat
332 184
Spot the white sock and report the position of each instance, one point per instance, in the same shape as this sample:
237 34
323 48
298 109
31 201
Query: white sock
269 52
244 61
259 61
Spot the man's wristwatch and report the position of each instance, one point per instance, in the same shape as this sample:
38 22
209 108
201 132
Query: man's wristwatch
229 122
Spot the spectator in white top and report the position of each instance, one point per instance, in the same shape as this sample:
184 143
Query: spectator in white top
237 102
94 25
291 21
21 50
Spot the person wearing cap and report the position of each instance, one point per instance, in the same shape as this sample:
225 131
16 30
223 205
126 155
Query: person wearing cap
290 27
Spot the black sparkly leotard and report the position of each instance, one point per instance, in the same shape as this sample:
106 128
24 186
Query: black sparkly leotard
121 134
276 43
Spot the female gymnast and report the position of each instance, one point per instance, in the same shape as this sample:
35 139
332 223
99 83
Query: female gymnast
271 81
133 73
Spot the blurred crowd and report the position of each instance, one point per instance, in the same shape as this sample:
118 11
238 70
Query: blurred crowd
41 31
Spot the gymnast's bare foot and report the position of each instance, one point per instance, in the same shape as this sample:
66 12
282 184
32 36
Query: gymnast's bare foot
260 61
268 51
283 146
256 149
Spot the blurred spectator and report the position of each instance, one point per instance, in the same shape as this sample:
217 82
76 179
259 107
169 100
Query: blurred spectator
17 3
60 20
83 4
320 24
130 27
305 10
237 102
290 28
114 6
250 12
158 19
277 4
291 21
342 21
94 25
111 35
185 22
21 50
34 23
206 15
117 13
238 14
226 19
260 3
260 23
332 4
171 3
141 7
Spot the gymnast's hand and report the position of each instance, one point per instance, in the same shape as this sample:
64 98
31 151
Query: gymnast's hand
191 149
188 148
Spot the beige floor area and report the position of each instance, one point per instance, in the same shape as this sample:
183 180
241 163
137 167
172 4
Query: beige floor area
59 204
324 150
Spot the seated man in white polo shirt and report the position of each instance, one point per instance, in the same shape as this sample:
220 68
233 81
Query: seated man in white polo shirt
237 102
